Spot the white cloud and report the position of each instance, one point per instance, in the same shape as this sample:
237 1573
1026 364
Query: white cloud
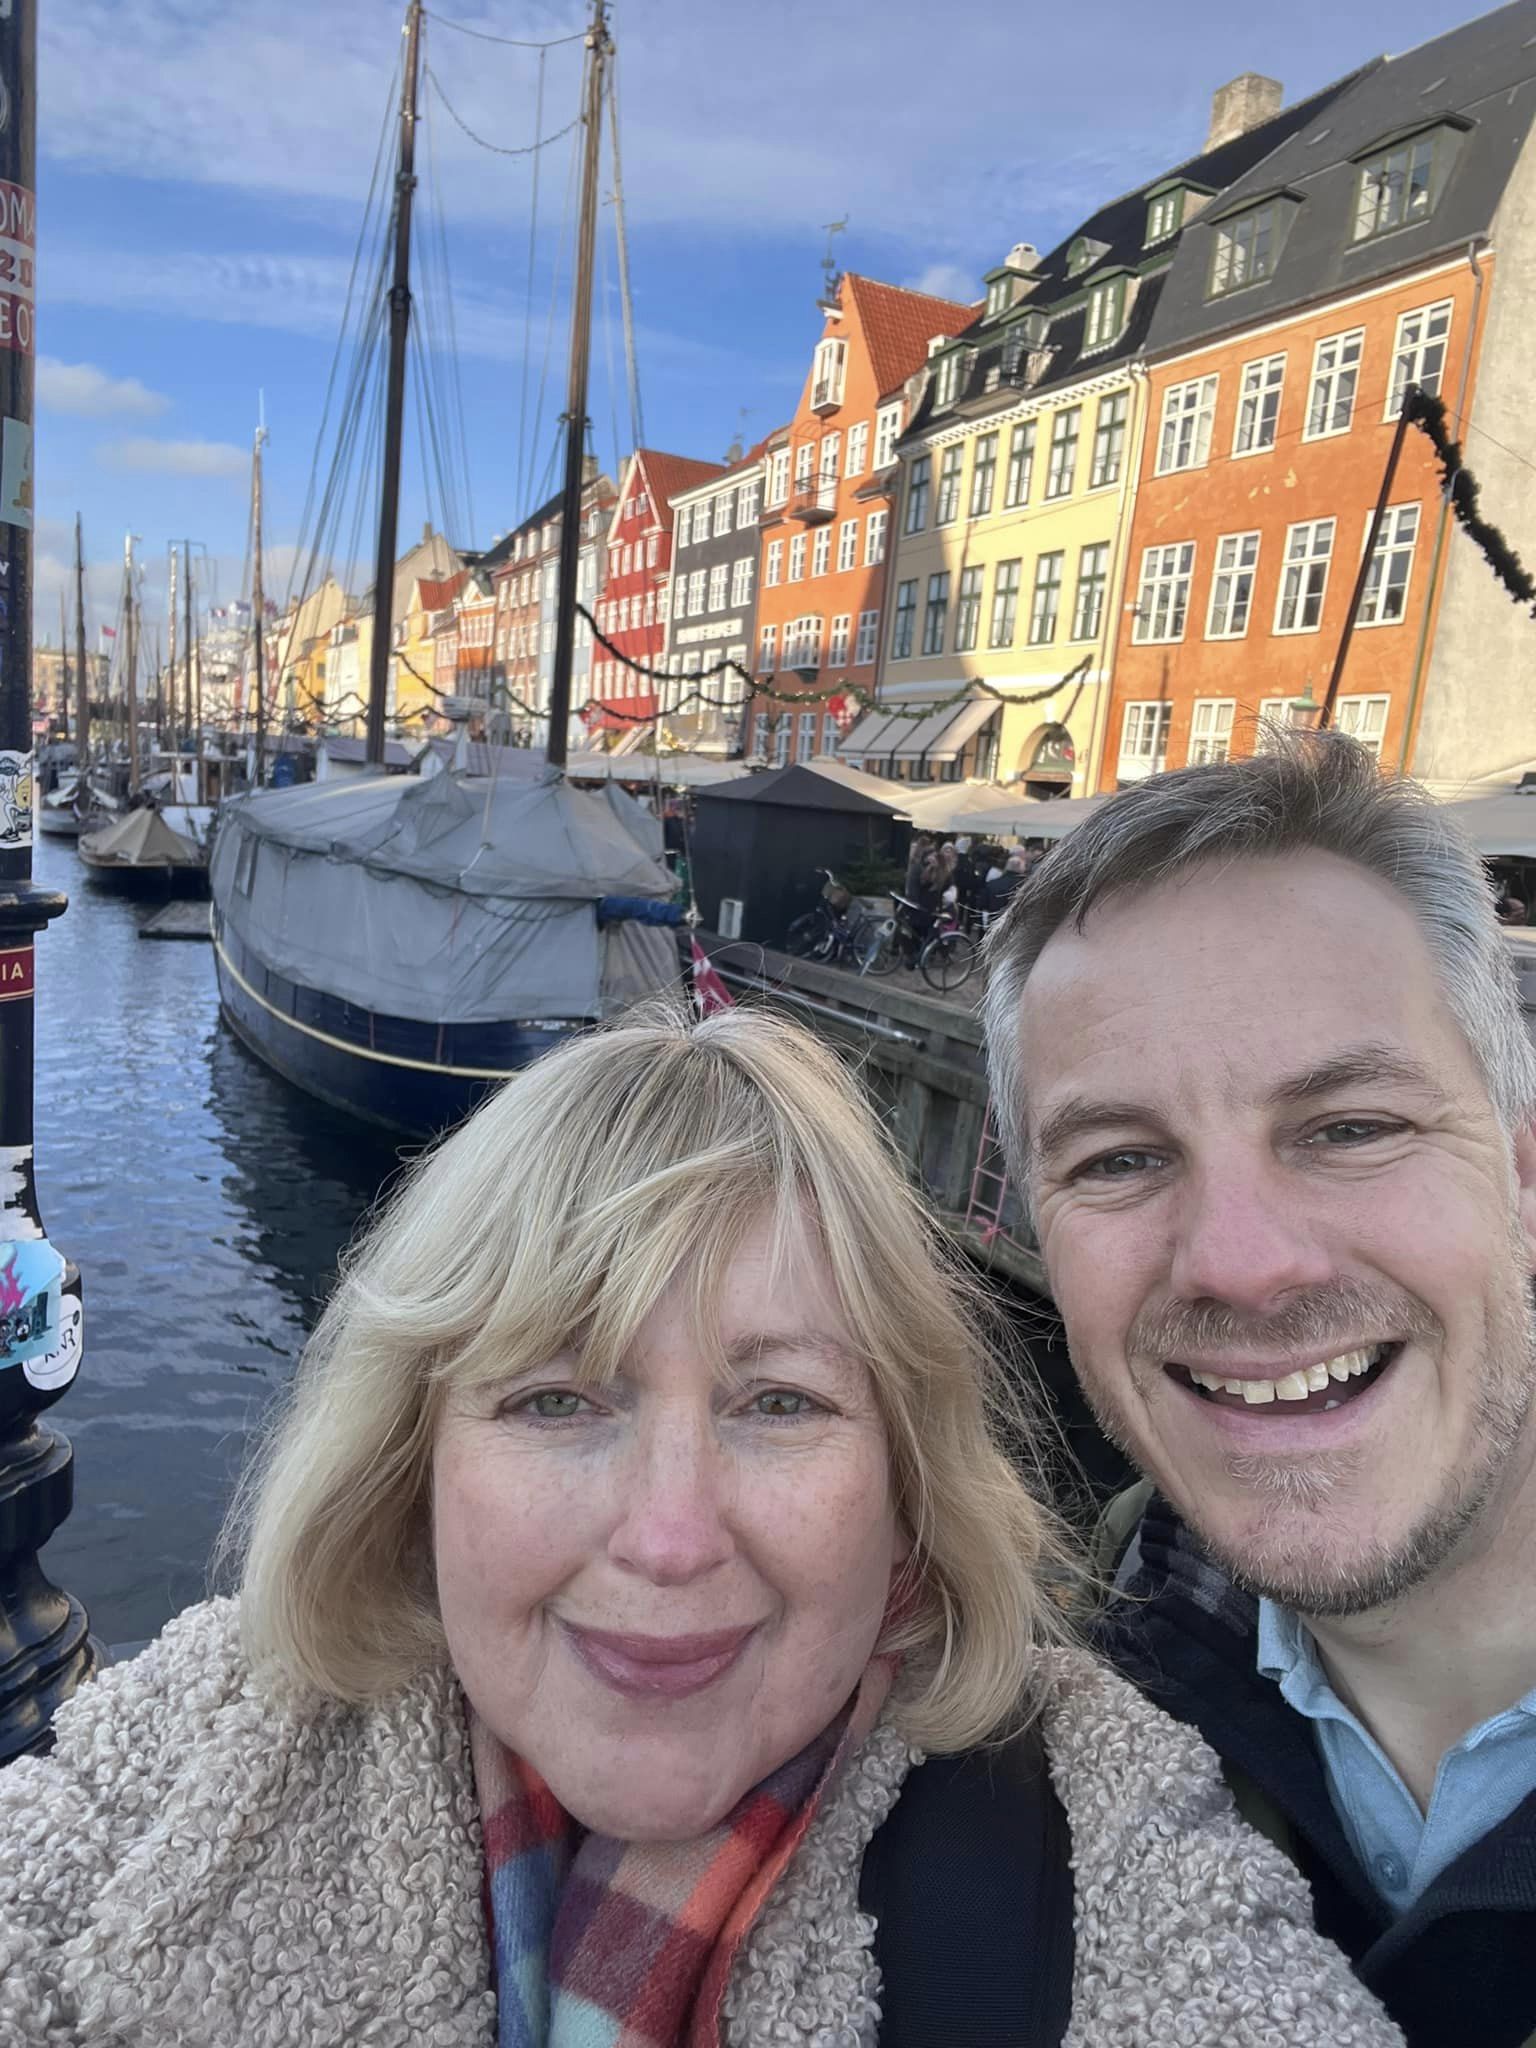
176 458
92 394
945 281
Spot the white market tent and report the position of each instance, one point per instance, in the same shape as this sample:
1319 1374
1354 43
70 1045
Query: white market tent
1501 826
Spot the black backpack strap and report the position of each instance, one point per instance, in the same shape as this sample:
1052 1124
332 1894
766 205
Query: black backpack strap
969 1881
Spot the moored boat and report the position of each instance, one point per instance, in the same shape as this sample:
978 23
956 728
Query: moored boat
142 856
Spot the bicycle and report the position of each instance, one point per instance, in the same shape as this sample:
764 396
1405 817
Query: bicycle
837 931
943 953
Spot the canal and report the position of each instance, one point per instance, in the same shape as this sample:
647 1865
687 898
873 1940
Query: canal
207 1204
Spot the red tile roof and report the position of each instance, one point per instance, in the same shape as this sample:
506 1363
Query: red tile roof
668 474
440 591
898 326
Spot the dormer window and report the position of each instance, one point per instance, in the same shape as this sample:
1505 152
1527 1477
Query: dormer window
997 297
1106 314
947 385
1165 215
1248 245
827 377
1079 256
1401 179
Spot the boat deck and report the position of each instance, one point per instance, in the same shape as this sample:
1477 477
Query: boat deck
178 920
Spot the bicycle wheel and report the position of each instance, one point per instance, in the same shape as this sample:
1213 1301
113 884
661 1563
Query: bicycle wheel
805 935
948 960
882 955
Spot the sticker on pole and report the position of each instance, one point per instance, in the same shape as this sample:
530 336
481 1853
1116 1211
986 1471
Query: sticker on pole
18 265
16 473
15 800
31 1279
56 1368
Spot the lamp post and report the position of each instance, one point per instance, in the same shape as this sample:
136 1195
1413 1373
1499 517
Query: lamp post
45 1645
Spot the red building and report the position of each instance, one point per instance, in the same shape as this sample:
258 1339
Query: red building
633 610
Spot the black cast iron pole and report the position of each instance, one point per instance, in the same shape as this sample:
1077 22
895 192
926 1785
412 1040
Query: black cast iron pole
1362 577
45 1645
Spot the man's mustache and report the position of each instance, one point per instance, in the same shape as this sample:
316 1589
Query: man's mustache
1324 1319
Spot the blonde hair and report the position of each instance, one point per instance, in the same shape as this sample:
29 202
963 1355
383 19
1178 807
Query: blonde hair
556 1216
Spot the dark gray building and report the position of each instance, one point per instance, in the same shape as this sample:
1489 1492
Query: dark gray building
712 607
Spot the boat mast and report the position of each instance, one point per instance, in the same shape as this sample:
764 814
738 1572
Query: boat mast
170 676
82 677
186 600
258 603
130 673
599 50
394 400
64 662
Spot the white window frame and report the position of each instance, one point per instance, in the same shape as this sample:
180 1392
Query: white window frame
746 504
767 648
1144 731
829 371
1210 734
685 526
1104 318
1421 332
1329 378
1184 434
719 583
778 477
697 583
1365 719
947 379
887 434
796 569
876 529
773 572
1235 259
806 725
741 580
1162 597
1384 195
847 546
856 460
1233 581
1299 588
1396 544
867 643
1260 394
1286 712
821 551
837 640
720 525
829 458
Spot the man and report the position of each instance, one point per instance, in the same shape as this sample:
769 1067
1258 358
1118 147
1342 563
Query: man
1263 1071
1004 886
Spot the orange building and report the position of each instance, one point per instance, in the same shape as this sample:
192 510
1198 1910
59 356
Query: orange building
1386 244
827 509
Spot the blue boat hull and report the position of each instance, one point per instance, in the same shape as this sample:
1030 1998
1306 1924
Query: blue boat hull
400 1080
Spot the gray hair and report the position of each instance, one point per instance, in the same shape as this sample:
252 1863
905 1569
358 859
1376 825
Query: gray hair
1309 792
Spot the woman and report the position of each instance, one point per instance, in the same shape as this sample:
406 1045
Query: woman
633 1524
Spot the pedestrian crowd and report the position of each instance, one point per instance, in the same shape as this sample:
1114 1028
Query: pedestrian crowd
635 1635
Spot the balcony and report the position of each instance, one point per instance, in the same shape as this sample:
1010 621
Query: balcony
826 395
814 501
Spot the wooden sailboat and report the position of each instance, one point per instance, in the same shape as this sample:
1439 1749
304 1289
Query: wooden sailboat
140 853
398 945
63 812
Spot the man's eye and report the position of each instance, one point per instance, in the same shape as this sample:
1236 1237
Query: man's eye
1120 1165
1351 1130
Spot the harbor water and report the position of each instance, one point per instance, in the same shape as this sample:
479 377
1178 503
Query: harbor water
206 1203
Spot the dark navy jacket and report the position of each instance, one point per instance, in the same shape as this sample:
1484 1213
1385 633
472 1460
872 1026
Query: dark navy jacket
1458 1968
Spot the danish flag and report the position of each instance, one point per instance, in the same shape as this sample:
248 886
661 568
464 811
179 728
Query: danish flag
709 991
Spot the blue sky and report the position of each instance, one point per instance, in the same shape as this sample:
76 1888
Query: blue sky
203 169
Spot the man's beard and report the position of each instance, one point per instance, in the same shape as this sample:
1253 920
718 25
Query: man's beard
1377 1576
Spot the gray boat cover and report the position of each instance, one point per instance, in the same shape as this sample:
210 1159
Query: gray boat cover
450 899
141 840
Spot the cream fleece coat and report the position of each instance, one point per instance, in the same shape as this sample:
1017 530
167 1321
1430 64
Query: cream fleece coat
202 1865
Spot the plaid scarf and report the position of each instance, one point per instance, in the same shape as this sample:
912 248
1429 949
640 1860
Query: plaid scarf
597 1943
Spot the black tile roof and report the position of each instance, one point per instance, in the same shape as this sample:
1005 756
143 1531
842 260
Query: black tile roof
1485 71
1118 230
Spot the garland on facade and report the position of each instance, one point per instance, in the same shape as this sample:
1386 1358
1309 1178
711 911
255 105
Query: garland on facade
1428 414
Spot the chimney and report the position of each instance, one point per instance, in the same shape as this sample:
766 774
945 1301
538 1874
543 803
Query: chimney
1245 104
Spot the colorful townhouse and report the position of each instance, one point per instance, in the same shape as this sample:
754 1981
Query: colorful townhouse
415 666
826 517
632 612
1388 242
713 613
1017 472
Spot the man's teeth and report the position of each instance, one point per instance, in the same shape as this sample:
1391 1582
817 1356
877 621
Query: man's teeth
1307 1379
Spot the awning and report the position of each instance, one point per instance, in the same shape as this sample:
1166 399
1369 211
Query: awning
941 735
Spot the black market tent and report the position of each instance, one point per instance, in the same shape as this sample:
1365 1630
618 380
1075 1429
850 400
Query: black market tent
761 840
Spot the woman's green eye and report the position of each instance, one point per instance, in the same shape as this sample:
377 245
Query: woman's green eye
557 1405
782 1404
